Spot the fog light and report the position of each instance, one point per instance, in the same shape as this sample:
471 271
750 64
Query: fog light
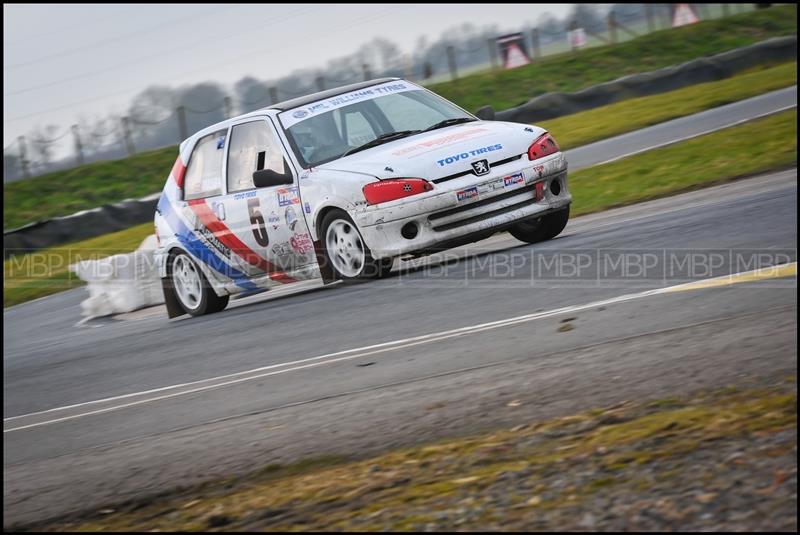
409 231
555 187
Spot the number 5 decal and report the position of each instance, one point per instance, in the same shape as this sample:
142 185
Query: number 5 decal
257 222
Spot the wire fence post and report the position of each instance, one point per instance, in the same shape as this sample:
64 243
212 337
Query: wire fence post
612 27
321 83
23 159
492 53
407 66
451 62
273 96
666 15
184 131
126 134
78 145
726 10
367 73
648 11
537 51
228 107
427 70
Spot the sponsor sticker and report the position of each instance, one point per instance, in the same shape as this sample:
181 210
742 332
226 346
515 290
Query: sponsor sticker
490 186
516 178
274 220
288 196
291 217
467 154
301 243
307 207
282 249
469 193
439 141
244 195
214 242
292 117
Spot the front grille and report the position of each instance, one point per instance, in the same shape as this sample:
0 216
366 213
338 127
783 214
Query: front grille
526 195
469 172
476 204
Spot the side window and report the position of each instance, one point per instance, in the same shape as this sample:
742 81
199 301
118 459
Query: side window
204 173
253 147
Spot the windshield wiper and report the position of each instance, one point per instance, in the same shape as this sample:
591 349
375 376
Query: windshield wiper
381 139
450 122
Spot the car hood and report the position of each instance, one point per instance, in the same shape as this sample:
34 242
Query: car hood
443 152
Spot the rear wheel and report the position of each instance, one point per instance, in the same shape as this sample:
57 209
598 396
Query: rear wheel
346 251
194 293
540 229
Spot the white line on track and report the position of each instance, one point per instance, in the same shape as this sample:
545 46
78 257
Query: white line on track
286 367
684 138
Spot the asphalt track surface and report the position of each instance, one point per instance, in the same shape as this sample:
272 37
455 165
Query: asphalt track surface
120 408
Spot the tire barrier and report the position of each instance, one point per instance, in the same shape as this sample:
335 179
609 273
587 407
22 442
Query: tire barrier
80 226
697 71
121 283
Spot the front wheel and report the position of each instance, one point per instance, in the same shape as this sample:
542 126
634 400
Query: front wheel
194 293
543 228
346 251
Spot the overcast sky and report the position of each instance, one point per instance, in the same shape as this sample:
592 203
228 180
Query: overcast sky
61 61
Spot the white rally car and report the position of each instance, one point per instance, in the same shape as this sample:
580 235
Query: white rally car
341 182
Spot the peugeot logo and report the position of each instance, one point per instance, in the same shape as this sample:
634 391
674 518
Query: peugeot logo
481 167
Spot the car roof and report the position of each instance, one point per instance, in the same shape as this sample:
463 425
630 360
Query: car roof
313 97
287 105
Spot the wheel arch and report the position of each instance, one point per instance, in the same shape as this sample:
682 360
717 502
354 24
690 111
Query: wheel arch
325 210
216 285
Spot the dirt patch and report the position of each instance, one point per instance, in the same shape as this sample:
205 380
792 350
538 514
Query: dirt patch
723 460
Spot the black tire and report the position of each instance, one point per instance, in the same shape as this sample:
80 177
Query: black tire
207 302
541 229
371 268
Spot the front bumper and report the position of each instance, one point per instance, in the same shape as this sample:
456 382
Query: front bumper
468 208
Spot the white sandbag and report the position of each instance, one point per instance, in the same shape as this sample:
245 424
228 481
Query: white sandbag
121 283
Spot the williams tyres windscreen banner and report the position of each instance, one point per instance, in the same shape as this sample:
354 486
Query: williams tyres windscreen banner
513 52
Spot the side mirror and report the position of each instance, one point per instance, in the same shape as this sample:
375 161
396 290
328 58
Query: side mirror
268 177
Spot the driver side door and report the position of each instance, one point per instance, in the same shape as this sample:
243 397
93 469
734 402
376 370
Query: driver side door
269 221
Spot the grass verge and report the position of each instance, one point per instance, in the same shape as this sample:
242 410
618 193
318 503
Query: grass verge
687 455
88 186
607 121
46 272
754 147
699 162
81 188
572 71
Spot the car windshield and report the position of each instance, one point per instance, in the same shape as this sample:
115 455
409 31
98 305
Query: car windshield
318 136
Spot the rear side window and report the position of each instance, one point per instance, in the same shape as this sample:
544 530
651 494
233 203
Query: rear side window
204 173
253 147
